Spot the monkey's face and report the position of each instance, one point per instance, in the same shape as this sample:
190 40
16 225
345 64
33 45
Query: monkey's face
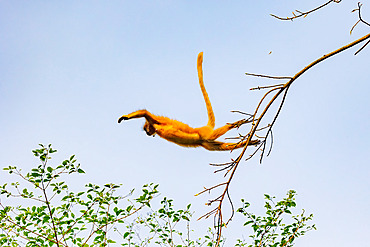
149 129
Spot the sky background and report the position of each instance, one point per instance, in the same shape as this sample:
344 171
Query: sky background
70 69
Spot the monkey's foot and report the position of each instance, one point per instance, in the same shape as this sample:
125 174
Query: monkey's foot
238 123
124 117
254 142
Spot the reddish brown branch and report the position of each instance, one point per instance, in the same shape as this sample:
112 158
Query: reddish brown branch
256 122
304 14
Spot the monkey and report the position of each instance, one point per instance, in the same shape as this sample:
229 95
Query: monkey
184 135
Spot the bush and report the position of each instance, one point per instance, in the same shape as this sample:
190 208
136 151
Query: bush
100 216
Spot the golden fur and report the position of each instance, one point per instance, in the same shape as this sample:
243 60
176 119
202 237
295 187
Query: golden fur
184 135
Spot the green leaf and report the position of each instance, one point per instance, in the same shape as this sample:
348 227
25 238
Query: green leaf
35 175
79 170
45 219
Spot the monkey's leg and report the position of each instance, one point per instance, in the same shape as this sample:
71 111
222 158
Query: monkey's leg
138 114
223 146
222 130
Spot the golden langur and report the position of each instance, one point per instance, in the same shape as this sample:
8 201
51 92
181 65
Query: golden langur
184 135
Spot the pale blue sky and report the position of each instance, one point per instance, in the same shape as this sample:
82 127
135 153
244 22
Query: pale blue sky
69 69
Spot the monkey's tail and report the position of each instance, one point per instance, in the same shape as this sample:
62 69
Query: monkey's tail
211 115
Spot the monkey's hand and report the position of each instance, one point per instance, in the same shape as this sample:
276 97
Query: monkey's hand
124 117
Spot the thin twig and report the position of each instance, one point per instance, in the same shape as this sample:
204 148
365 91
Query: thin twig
244 113
362 47
359 14
350 32
225 168
205 216
264 87
270 76
24 178
222 164
275 118
209 189
304 14
262 128
255 151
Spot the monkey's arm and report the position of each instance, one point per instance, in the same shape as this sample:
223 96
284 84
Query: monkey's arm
138 114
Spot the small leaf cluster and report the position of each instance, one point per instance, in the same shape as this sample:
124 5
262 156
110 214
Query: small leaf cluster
270 230
58 216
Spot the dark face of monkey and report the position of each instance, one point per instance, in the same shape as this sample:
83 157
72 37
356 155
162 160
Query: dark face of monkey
149 129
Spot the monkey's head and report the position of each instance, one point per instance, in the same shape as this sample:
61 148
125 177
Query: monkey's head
149 129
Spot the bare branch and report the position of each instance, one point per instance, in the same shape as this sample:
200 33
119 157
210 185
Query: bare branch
250 115
304 14
264 87
350 32
362 47
256 121
360 20
209 189
359 14
269 76
205 216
